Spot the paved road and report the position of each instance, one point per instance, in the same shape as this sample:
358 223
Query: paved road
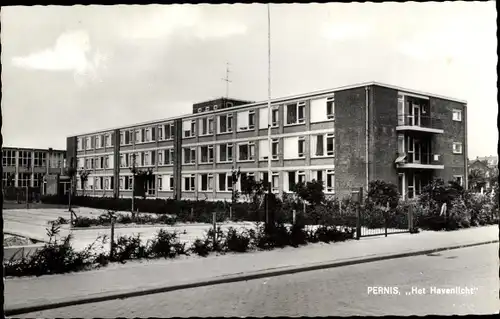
338 291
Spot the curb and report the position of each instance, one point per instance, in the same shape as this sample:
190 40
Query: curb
273 272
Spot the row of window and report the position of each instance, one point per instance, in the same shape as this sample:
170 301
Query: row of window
421 107
95 142
100 162
28 158
321 110
222 182
23 179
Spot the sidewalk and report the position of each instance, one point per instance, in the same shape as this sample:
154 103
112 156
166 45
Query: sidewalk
24 292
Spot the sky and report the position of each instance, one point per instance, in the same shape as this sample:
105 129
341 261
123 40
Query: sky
76 69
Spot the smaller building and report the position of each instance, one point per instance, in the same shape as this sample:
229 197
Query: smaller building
482 172
31 168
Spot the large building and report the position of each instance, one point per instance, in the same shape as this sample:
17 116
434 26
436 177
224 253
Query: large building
27 167
344 137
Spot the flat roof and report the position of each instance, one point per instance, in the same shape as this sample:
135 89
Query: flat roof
276 100
31 149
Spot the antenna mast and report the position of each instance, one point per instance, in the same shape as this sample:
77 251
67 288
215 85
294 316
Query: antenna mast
226 79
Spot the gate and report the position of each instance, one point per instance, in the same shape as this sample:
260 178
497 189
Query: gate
380 221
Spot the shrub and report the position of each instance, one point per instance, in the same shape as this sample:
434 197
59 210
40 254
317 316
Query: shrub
298 235
55 257
129 247
201 247
166 245
380 193
237 242
85 222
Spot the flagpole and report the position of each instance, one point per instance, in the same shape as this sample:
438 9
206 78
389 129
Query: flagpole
269 122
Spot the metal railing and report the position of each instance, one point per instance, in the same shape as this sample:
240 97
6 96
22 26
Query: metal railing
420 121
423 158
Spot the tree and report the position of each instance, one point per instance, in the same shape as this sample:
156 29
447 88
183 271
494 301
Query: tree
71 173
84 177
476 179
310 192
380 193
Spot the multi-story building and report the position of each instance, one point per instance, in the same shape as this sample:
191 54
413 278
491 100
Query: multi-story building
24 167
344 137
482 171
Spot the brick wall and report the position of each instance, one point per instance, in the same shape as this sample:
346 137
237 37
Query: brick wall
383 136
454 164
350 144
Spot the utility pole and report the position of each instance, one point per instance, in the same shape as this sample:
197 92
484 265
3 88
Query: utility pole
226 79
269 120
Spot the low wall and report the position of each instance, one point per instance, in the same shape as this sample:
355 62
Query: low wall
20 251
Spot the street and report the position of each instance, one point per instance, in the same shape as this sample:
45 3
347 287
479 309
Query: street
340 291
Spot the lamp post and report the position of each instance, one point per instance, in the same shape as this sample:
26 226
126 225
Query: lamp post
28 166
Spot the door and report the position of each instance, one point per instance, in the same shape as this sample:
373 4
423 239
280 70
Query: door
418 151
416 115
401 185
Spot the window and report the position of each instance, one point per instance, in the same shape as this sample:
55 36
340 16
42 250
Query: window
206 182
330 182
457 148
459 179
246 120
109 140
106 183
295 113
291 181
106 162
189 184
98 141
229 104
8 158
226 153
330 108
275 182
301 146
137 136
207 126
207 154
88 143
159 182
168 157
200 110
216 107
39 160
457 115
149 135
143 135
274 117
24 179
246 151
79 144
121 183
189 128
225 182
323 145
171 183
226 123
166 131
146 159
189 155
264 149
25 159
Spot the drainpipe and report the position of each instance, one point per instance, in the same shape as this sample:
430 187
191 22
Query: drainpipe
366 139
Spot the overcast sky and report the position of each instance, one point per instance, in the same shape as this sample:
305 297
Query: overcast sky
71 70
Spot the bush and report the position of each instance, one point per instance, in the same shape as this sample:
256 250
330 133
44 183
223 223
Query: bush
86 222
298 235
237 242
380 193
166 245
129 247
201 247
56 257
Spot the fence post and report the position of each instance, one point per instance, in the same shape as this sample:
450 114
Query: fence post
192 214
358 221
231 213
386 214
112 242
410 218
214 225
294 217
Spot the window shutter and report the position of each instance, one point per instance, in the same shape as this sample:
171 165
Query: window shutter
143 135
153 133
153 158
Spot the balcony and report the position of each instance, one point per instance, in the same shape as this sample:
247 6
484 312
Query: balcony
419 123
420 161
